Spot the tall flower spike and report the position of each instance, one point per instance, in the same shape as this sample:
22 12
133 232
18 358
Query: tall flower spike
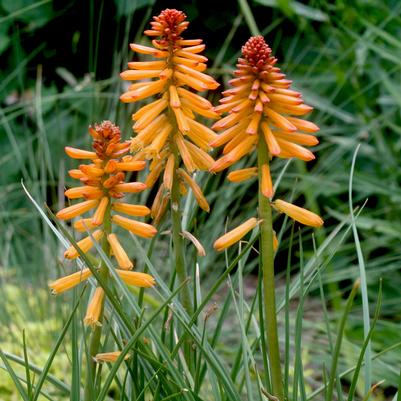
262 103
262 111
166 129
102 186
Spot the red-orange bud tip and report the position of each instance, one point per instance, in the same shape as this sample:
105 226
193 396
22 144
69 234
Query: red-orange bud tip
256 51
170 24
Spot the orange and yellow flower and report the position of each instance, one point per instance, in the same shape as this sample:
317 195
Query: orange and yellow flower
261 103
103 184
262 111
167 130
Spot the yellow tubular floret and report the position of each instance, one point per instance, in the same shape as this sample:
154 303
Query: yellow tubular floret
136 227
200 198
84 245
119 253
243 174
235 235
66 283
297 213
76 210
131 210
94 309
135 278
109 356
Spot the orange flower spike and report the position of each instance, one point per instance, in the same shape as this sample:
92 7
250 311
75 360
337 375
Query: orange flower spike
180 66
103 181
261 103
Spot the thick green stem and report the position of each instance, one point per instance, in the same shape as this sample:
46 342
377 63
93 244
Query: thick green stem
178 244
267 265
95 335
179 258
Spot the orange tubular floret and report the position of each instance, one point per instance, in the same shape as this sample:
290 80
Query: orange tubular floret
109 357
83 225
75 153
235 235
76 210
75 173
243 174
100 211
84 245
200 198
83 192
299 214
169 172
66 283
137 227
137 165
137 279
119 253
131 187
289 149
266 182
131 210
92 317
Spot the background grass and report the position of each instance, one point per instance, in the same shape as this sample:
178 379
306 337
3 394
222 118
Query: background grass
59 73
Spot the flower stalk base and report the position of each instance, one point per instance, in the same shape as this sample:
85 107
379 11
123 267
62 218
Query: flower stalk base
267 266
94 341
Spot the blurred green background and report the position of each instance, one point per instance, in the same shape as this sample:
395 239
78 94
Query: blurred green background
59 72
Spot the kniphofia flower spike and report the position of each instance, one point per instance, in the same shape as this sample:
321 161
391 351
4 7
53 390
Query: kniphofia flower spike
167 130
103 184
261 106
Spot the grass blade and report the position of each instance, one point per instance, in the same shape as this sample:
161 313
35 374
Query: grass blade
364 286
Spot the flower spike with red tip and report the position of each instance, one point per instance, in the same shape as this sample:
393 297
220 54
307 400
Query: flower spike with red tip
102 185
167 130
261 109
263 116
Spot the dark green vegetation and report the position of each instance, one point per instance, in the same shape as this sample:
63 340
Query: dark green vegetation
59 73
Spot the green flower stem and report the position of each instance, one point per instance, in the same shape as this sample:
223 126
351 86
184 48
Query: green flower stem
267 265
179 257
95 335
178 243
